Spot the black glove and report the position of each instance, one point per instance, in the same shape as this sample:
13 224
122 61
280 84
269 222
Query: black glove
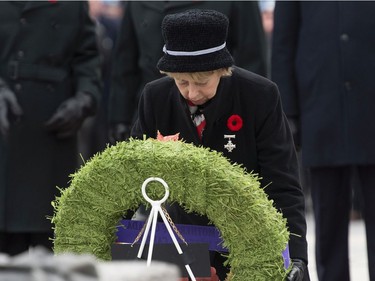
298 270
119 132
295 127
10 110
69 116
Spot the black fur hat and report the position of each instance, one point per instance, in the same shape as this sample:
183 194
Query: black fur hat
195 40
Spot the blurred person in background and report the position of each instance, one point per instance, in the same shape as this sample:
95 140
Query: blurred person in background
266 10
323 60
107 14
49 84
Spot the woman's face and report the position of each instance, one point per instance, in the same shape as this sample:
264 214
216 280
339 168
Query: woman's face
198 91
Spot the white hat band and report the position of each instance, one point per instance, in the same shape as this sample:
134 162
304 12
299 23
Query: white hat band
194 53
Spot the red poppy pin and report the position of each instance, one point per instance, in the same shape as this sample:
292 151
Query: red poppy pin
234 123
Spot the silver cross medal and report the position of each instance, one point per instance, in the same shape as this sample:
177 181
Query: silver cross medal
230 145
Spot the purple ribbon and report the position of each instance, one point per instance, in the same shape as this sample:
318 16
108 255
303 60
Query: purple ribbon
191 234
286 256
128 231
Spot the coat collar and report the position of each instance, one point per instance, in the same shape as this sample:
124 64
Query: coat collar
218 108
221 103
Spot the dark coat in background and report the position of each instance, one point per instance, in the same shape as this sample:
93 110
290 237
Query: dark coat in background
325 70
323 60
140 44
48 52
263 145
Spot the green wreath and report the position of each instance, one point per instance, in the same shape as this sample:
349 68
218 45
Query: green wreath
201 180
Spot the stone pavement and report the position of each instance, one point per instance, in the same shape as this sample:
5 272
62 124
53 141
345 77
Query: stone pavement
357 250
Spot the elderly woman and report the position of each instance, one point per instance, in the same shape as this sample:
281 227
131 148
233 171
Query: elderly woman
212 103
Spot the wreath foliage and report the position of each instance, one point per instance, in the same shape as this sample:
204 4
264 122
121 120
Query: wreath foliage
88 212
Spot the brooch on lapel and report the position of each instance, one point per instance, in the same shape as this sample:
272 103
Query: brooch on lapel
234 123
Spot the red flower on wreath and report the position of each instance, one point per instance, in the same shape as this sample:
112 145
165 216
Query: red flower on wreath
234 123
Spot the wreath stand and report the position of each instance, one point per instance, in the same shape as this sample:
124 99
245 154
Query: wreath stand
155 210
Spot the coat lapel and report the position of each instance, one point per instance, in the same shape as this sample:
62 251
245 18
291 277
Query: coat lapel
219 107
187 128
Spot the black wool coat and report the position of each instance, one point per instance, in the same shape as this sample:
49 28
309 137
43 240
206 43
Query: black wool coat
48 52
263 144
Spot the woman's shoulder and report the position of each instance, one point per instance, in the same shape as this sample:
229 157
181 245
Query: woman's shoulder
252 85
159 84
241 75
